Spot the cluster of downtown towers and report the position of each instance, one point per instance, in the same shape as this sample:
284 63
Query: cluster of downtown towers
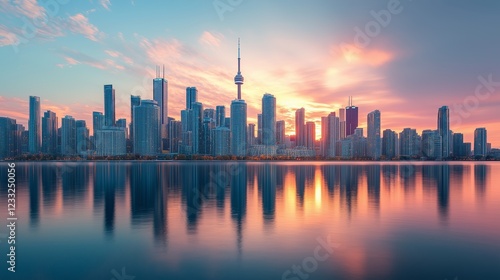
210 132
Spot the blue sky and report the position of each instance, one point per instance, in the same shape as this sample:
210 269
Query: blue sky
429 54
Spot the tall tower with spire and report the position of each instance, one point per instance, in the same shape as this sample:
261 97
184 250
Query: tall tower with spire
160 95
238 117
238 79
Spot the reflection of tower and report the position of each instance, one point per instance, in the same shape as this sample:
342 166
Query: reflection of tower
109 177
374 186
221 187
349 186
330 177
480 173
239 202
267 181
146 198
443 190
34 187
300 184
49 185
192 197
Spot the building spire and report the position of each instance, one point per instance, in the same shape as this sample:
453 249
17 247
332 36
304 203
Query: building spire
238 79
239 57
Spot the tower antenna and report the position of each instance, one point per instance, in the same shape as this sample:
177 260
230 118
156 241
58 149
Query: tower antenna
164 71
239 57
238 79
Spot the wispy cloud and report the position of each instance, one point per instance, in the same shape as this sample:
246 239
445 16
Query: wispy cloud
105 4
211 38
7 38
73 57
19 8
80 24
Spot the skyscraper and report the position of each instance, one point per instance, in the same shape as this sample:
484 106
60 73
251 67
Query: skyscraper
390 144
444 129
49 133
408 143
324 137
160 95
238 127
97 121
374 140
251 134
351 122
8 140
310 132
268 120
480 142
222 143
432 144
110 141
82 137
34 129
220 115
68 136
332 134
299 127
147 128
109 105
458 145
174 135
207 141
342 123
186 146
122 123
135 100
238 116
259 129
197 119
191 96
280 133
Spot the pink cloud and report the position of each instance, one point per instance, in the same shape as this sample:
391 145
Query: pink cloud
6 37
116 54
105 4
27 8
211 38
80 24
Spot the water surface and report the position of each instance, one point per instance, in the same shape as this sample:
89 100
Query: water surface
255 220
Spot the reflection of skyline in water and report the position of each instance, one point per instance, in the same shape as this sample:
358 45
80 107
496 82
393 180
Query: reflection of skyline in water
152 185
171 200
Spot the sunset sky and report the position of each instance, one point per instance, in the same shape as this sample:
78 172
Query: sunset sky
307 53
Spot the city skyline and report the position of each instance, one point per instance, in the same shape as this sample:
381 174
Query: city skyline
92 53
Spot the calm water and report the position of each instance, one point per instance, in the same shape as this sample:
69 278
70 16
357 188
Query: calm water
255 220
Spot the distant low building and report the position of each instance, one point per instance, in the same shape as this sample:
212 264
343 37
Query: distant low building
110 141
